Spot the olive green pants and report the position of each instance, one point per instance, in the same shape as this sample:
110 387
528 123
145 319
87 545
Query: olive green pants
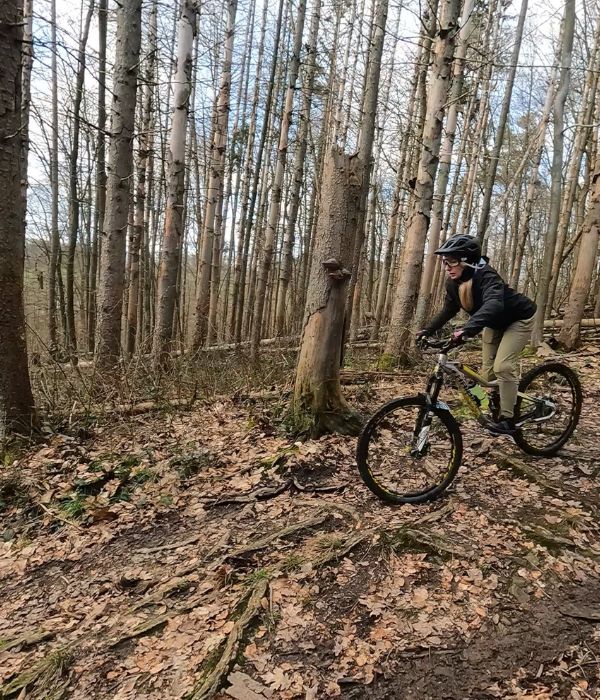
501 350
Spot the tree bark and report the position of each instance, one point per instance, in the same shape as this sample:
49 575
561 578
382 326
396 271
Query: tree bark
17 410
318 405
173 232
120 173
414 246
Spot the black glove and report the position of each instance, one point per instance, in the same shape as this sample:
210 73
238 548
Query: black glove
421 335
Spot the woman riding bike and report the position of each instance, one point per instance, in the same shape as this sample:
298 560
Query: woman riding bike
504 316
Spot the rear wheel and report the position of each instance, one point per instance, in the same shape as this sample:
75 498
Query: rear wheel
552 408
409 453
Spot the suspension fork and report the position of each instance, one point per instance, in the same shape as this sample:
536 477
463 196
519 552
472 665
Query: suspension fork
425 416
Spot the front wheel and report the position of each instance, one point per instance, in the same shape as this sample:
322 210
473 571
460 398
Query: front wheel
551 408
409 452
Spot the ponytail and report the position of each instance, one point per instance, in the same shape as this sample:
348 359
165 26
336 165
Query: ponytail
465 294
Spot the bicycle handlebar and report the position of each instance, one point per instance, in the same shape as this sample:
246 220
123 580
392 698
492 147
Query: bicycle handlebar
445 344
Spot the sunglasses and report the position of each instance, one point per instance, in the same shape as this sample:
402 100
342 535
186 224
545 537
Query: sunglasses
450 263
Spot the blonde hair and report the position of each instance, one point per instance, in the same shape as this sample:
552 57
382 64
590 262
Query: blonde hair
465 294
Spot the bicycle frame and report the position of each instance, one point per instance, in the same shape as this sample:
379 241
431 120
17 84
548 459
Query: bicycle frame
464 376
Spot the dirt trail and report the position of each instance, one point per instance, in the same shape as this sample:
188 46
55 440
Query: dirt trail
203 554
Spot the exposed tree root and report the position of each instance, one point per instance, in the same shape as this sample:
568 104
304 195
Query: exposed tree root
341 549
551 540
406 537
45 679
263 542
28 639
213 680
260 494
180 580
526 471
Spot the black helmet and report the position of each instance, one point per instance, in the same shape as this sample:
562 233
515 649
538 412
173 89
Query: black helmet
465 248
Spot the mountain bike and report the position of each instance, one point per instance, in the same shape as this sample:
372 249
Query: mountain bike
410 450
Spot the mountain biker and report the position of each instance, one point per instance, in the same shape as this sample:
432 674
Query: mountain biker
504 316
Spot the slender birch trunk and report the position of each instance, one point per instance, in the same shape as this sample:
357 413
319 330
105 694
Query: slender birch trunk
173 232
146 144
74 204
215 184
407 292
298 171
277 191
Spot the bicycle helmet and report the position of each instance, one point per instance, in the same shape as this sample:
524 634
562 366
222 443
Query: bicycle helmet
464 248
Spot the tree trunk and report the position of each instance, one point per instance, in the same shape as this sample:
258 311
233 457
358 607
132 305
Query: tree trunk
17 410
146 145
414 246
365 140
586 261
100 174
437 209
490 178
556 171
173 232
243 241
54 232
318 405
583 131
73 194
120 173
298 174
277 191
215 184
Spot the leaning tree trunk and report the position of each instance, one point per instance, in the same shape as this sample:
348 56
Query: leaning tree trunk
556 171
586 262
414 246
17 411
120 174
318 405
173 233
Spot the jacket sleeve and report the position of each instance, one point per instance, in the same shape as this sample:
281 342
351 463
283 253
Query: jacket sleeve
492 289
449 310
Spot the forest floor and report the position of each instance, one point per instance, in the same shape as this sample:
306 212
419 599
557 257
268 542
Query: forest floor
203 553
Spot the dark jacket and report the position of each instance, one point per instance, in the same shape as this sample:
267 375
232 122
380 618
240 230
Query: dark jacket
495 304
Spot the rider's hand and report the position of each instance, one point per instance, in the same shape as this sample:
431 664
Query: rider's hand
459 337
421 335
